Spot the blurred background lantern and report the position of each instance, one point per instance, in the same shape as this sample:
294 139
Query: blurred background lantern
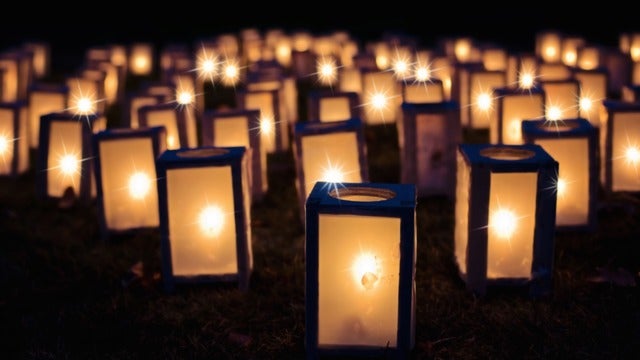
44 98
620 146
381 97
141 59
234 127
428 136
360 270
474 92
14 142
41 58
512 105
125 171
65 157
180 131
562 99
274 131
573 143
505 214
593 90
333 152
137 100
327 105
205 218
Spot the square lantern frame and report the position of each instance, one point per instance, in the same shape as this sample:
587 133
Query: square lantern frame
303 130
185 127
510 99
428 136
616 117
200 158
379 200
155 136
477 163
16 140
320 101
571 129
258 156
44 98
280 127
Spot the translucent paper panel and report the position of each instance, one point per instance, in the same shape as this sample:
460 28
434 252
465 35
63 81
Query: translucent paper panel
461 232
64 157
625 148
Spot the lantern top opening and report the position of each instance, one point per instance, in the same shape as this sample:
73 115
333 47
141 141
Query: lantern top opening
506 153
202 153
362 194
557 126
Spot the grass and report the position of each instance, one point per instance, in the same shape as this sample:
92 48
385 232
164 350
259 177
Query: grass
65 294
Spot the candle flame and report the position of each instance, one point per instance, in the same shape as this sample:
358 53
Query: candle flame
139 185
503 222
422 73
366 271
211 220
526 80
184 97
561 186
230 72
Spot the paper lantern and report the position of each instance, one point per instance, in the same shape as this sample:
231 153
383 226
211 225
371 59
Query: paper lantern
270 75
573 143
180 127
570 48
423 90
14 143
86 94
381 97
141 59
553 72
562 99
350 79
548 46
205 218
137 100
620 146
473 91
360 256
630 93
590 57
512 105
125 171
593 90
505 214
274 130
65 156
326 105
234 127
10 63
495 58
428 136
44 98
333 152
41 58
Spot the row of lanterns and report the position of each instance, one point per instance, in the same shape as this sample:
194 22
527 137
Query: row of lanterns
193 172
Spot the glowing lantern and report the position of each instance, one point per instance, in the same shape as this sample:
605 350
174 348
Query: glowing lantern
428 136
41 58
553 72
423 90
548 46
141 59
227 128
360 270
381 97
620 146
505 215
562 99
274 130
137 100
570 47
65 157
573 143
125 171
10 84
327 106
593 90
590 57
14 143
269 75
333 152
175 121
44 98
205 218
350 80
474 93
86 94
512 106
494 58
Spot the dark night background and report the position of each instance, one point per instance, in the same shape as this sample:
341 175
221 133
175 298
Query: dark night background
72 29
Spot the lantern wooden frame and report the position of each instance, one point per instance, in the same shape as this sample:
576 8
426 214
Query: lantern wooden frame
428 136
205 159
13 135
357 203
478 166
567 135
215 124
143 146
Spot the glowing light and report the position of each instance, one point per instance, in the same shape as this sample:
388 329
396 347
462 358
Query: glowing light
554 113
366 271
550 51
632 155
585 103
570 57
68 164
4 144
139 185
401 68
483 101
230 72
207 65
85 106
211 220
184 97
382 61
379 101
327 71
141 62
515 129
333 175
171 142
526 80
503 223
635 53
266 125
422 73
561 186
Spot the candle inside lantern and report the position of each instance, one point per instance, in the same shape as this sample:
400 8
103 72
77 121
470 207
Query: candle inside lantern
6 153
139 185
